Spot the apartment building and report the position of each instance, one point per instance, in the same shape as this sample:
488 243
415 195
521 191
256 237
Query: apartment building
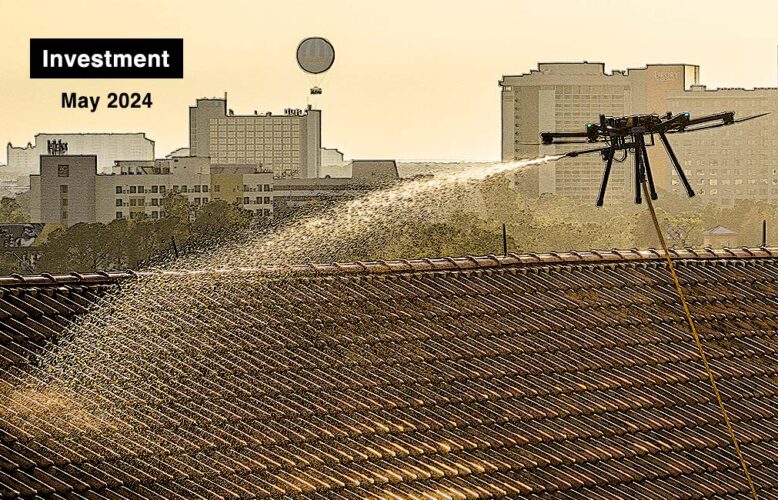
107 147
69 190
564 97
288 145
729 164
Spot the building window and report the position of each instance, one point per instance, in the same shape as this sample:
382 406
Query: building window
154 214
64 202
154 189
154 202
268 187
197 201
205 188
119 215
197 188
205 200
118 202
162 189
246 200
64 214
63 171
141 189
133 202
118 190
267 200
133 189
63 188
258 200
183 189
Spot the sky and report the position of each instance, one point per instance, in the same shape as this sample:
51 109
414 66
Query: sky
411 80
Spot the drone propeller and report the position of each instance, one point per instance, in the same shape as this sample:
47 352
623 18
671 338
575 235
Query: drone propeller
717 125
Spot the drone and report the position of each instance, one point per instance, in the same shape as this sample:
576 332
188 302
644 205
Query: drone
629 133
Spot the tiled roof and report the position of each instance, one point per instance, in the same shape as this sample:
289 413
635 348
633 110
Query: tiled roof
35 309
566 375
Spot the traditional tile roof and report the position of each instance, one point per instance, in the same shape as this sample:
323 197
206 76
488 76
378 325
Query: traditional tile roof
35 309
569 375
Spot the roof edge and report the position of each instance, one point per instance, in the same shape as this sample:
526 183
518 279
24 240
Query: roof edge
430 264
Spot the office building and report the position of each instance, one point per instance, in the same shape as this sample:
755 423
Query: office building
288 145
729 164
108 148
564 97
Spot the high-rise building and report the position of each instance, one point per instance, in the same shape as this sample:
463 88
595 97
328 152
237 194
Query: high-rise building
564 97
287 145
728 164
107 147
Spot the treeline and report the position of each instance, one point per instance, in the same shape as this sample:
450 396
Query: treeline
133 244
544 224
553 223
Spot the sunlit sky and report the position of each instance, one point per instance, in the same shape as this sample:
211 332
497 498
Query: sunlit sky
411 80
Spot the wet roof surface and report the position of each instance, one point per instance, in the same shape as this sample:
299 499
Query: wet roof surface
564 375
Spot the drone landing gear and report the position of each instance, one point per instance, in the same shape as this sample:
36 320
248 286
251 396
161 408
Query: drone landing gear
609 163
642 166
676 165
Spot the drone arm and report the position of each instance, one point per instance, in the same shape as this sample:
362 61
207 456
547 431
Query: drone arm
573 154
726 117
550 137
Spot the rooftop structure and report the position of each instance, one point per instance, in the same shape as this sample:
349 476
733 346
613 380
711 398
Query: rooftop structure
565 374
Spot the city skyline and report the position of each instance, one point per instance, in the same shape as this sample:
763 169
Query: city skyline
408 82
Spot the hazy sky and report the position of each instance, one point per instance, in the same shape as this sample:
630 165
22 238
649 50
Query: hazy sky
412 79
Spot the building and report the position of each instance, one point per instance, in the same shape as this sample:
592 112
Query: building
289 145
69 190
719 237
109 148
244 185
362 176
140 189
726 164
565 375
564 97
65 190
331 157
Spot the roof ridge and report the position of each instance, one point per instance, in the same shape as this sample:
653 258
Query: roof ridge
468 262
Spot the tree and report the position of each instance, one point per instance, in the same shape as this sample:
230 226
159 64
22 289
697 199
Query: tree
11 211
82 247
